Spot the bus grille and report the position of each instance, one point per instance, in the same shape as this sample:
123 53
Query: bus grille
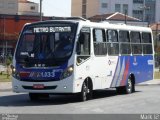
45 88
33 80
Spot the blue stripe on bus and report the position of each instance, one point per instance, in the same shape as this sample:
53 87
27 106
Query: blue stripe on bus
32 73
140 66
116 73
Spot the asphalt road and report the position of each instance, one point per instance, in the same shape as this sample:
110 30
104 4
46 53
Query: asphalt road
145 100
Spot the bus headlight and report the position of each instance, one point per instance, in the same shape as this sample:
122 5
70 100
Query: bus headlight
15 74
67 72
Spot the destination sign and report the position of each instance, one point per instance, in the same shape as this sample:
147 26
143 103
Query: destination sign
51 29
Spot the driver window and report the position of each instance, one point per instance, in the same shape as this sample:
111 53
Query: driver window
84 42
83 45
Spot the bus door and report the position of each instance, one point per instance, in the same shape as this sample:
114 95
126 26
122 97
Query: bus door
83 53
100 57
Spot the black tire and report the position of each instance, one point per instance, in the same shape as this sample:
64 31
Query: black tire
86 92
128 89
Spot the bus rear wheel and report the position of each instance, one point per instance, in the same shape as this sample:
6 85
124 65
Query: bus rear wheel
128 89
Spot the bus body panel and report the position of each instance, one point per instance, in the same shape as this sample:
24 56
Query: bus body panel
103 71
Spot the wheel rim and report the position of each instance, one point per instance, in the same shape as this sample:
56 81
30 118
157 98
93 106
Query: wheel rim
129 86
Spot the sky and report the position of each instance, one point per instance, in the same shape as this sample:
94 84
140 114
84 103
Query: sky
55 7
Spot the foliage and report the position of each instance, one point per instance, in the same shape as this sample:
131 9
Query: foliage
8 60
5 78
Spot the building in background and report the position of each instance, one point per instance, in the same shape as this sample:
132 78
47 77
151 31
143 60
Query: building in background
28 8
146 10
84 8
111 6
8 7
10 28
118 18
19 7
13 15
156 34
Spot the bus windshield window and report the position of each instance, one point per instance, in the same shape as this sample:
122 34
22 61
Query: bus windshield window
43 42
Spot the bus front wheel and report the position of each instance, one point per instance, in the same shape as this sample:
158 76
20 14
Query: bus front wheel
83 93
86 92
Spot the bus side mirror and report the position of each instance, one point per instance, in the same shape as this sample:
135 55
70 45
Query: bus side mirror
78 48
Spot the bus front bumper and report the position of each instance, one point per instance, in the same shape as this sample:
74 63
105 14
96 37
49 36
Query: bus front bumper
62 86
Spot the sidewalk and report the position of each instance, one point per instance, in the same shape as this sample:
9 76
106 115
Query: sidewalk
7 86
151 82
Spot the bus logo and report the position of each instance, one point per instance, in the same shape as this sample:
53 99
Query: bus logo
135 61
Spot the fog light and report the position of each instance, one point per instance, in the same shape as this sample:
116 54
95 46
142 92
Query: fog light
65 87
15 87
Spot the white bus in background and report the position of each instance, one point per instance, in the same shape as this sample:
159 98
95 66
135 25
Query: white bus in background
79 56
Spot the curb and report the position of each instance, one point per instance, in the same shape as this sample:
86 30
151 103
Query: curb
5 90
147 84
5 86
151 82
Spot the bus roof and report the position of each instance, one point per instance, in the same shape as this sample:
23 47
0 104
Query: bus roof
107 25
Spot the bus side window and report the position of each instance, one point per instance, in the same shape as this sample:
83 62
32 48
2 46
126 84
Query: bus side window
147 43
136 42
112 42
124 41
100 45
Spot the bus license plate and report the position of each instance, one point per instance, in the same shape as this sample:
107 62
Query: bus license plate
38 86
